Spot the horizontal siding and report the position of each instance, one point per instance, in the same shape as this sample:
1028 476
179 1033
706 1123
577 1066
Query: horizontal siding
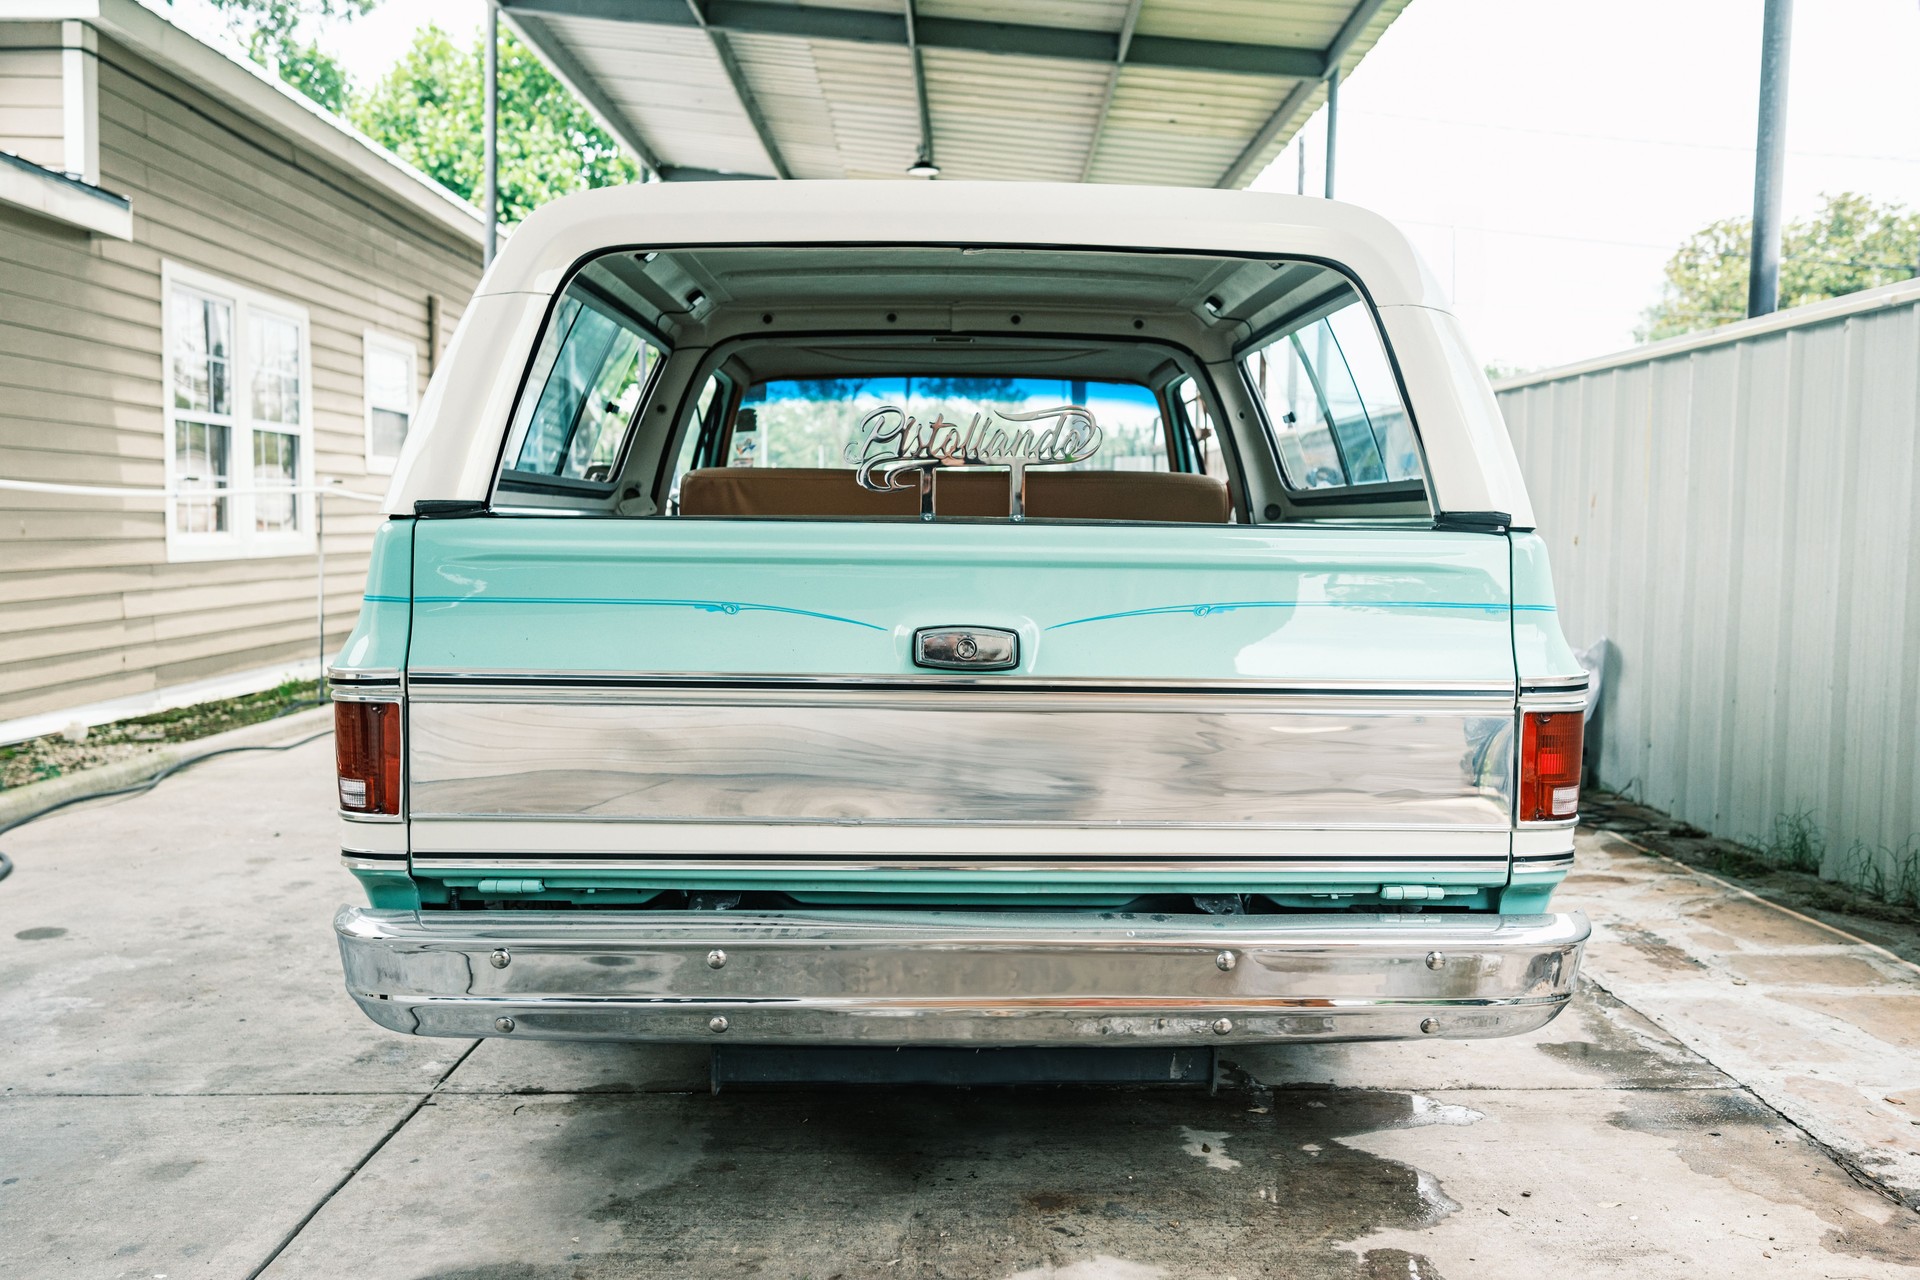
1738 521
31 123
89 607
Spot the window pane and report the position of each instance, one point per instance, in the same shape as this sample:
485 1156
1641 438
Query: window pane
276 463
389 379
202 355
200 463
274 349
1334 405
597 374
389 432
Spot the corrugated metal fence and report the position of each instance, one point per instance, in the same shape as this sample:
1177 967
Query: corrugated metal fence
1735 512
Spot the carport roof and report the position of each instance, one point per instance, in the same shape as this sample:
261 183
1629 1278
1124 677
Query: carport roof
1175 92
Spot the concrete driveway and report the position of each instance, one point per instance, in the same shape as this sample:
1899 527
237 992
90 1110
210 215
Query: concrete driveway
188 1092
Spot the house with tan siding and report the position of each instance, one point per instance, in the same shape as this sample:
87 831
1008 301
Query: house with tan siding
208 287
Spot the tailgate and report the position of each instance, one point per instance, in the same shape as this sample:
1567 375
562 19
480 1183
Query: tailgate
712 704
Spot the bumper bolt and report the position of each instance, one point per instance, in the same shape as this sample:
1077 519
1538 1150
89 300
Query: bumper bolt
716 1024
716 959
1222 1025
500 959
1435 960
1429 1025
1224 961
503 1024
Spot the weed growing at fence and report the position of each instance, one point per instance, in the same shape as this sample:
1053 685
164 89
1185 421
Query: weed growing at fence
1796 843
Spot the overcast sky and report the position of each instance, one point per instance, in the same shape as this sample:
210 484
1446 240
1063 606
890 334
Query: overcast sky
1548 156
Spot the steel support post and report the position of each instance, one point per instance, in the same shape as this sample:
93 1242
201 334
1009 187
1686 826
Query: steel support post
1770 158
490 182
1333 124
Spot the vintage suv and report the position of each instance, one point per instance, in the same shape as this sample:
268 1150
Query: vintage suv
946 614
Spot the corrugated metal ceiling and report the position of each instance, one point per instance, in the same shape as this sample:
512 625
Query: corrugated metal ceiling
1170 92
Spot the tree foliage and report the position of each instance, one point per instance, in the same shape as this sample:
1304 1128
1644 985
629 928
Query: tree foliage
1850 244
270 31
428 111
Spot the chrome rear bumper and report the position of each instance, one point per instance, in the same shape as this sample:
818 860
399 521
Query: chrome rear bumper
957 978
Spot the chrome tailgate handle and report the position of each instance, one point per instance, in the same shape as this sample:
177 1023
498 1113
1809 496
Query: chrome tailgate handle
966 648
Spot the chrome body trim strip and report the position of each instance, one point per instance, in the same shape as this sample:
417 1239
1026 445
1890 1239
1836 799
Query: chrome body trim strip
1096 760
370 692
359 860
363 675
384 839
1383 868
1555 684
1553 700
537 679
957 978
888 841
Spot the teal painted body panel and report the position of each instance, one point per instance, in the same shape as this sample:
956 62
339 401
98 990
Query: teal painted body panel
379 639
1540 650
831 598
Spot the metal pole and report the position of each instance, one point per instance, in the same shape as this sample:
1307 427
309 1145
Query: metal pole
1300 178
320 572
1770 158
490 183
1333 123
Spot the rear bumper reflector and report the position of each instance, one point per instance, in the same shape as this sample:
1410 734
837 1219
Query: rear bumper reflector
957 978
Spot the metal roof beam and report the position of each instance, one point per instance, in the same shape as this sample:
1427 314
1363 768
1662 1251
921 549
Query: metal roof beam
577 78
1127 24
1015 39
1350 31
723 50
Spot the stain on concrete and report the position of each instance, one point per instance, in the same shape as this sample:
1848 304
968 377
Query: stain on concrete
1075 1184
1624 1048
1396 1264
1654 947
41 934
1730 1135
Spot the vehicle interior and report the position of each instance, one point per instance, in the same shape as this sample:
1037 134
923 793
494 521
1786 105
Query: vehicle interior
878 383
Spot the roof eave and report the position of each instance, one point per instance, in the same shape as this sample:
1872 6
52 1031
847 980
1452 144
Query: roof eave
261 95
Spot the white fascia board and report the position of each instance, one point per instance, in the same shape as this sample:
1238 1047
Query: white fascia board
26 185
255 92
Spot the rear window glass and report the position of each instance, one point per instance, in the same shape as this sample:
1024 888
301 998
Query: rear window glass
813 422
1333 404
593 371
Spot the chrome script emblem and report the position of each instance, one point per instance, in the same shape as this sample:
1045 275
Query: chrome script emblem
966 648
894 450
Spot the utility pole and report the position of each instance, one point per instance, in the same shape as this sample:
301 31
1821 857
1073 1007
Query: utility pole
1770 158
490 188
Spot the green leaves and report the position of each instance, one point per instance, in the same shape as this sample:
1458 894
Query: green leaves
1851 244
428 110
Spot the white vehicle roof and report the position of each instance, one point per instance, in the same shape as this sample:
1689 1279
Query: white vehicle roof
453 451
549 244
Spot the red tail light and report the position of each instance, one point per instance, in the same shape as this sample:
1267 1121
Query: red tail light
366 744
1550 765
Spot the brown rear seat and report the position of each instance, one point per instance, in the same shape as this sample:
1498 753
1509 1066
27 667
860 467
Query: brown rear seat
1051 495
788 491
1161 496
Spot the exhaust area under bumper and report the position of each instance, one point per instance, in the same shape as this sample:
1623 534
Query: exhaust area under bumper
957 978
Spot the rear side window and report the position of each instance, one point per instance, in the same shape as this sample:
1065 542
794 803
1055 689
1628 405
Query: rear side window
593 370
1333 404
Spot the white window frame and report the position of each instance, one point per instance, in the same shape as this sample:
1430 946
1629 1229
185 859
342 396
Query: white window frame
377 340
240 541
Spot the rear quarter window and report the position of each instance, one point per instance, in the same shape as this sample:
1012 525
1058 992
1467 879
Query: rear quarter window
1333 405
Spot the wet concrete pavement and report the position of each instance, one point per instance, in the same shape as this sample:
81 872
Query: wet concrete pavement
185 1091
